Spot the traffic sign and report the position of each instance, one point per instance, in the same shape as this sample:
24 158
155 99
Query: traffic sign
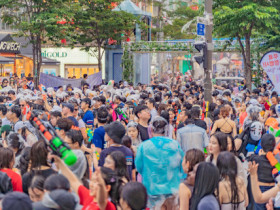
200 29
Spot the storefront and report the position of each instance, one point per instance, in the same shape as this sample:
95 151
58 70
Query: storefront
73 62
16 57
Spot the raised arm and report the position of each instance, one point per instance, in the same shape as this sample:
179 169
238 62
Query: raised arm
74 181
260 197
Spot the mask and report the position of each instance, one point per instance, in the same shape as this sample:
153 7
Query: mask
256 131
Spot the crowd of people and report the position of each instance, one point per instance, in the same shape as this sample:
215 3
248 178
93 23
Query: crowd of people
158 146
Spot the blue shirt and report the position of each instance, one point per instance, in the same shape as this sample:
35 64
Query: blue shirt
98 137
88 118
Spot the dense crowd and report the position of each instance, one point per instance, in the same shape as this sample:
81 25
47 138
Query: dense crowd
158 146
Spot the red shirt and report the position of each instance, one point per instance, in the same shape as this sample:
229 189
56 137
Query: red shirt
87 201
15 178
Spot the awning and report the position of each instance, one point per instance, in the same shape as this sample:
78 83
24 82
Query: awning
45 61
4 60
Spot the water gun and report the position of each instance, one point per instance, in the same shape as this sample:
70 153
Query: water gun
57 146
274 132
97 155
273 158
206 108
203 111
267 101
89 134
121 114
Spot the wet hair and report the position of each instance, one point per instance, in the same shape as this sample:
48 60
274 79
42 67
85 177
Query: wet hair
39 155
206 182
120 164
3 109
102 115
56 114
55 182
37 182
162 107
272 108
227 166
152 101
16 110
14 141
110 178
24 160
126 141
195 112
224 111
194 156
75 136
135 195
139 108
64 124
159 125
157 97
165 115
11 92
268 142
222 141
6 157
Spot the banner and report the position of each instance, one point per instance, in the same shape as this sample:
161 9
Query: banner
270 63
53 81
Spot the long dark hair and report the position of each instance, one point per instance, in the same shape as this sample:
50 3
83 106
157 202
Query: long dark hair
227 166
39 155
222 141
110 177
206 183
24 160
120 164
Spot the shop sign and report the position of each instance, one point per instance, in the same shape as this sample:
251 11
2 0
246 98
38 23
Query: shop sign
54 54
9 47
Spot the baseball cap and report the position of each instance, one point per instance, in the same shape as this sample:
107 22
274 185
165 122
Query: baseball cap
87 101
116 131
16 200
65 200
69 106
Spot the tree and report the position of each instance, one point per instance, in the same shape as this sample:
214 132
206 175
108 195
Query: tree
37 21
179 17
171 21
243 20
96 23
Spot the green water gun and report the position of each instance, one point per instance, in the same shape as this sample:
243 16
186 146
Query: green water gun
89 134
58 147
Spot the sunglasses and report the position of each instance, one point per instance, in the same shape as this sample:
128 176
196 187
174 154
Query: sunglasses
76 109
21 105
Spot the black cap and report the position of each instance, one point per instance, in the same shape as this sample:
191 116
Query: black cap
116 131
87 101
64 199
69 106
16 200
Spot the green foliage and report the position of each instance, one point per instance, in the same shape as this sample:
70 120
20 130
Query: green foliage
175 20
96 23
232 17
245 19
37 21
127 64
160 47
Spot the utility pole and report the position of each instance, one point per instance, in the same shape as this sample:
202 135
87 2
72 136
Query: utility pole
208 13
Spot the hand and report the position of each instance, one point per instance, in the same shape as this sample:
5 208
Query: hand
94 158
253 168
58 162
269 205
